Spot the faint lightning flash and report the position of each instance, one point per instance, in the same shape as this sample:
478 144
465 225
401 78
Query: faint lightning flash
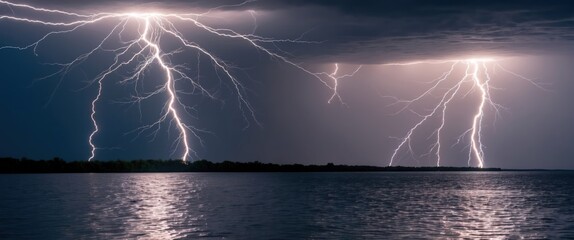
477 78
145 50
335 77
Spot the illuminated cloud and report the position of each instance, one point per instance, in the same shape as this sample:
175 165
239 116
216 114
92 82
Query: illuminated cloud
387 31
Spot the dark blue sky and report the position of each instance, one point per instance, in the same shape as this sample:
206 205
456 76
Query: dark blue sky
534 38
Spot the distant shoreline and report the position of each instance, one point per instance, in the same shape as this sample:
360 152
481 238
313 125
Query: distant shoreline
57 165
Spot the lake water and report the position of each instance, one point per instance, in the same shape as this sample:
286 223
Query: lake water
513 205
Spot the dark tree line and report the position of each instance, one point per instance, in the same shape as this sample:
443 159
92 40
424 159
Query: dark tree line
58 165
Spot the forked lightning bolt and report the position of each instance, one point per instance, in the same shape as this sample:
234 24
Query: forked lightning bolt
145 50
336 77
476 77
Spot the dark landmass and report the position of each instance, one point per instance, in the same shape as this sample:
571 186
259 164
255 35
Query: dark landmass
58 165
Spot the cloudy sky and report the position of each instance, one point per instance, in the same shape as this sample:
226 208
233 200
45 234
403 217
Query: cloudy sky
47 117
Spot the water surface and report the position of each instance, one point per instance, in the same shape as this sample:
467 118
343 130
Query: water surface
529 205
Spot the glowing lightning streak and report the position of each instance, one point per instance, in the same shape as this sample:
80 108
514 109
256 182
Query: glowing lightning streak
335 77
94 123
472 75
169 86
336 82
476 136
156 24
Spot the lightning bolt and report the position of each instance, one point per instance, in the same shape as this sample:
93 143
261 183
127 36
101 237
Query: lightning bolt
477 79
145 50
335 77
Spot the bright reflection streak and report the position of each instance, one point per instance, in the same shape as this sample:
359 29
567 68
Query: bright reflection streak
145 206
155 204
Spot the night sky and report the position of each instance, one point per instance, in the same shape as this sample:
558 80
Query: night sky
48 117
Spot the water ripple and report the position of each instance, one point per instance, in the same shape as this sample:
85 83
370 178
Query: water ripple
505 205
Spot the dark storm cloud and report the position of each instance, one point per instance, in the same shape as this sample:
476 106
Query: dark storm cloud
386 31
372 31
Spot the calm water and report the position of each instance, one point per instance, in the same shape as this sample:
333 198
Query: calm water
288 205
